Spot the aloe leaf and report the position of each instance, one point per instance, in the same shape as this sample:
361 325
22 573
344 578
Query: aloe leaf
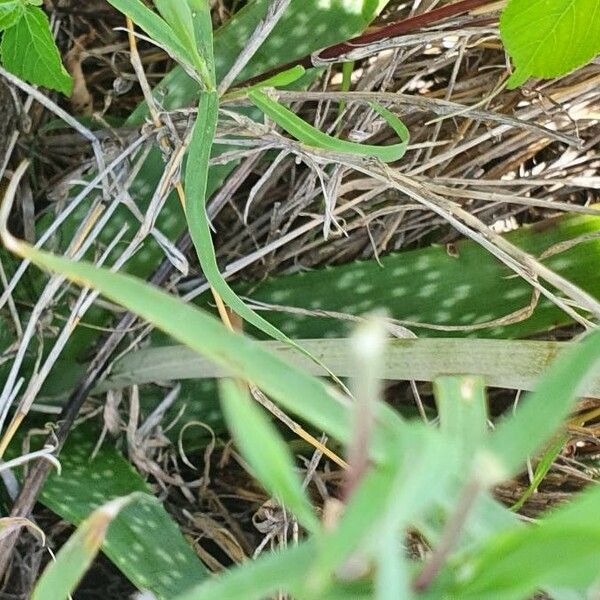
265 451
307 134
143 541
431 286
61 577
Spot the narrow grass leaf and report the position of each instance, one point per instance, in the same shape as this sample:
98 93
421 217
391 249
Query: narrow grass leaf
311 136
178 15
462 409
390 497
196 179
562 550
541 413
61 577
302 394
513 364
158 30
258 579
541 470
266 453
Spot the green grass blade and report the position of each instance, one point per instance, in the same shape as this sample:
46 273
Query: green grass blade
61 577
266 453
561 550
296 391
258 579
542 412
196 177
178 15
307 134
541 470
143 541
305 27
462 409
157 29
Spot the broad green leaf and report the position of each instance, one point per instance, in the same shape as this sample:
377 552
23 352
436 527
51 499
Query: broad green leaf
61 577
266 453
430 286
28 50
10 12
143 541
540 413
307 134
549 38
562 550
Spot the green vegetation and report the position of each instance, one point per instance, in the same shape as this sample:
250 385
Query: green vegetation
311 365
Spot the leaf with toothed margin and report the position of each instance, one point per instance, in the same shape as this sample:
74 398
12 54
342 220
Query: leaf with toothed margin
143 540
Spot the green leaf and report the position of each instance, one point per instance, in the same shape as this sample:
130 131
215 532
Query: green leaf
266 453
196 180
143 541
257 579
561 550
28 50
307 134
10 12
178 14
161 33
549 39
462 409
541 470
466 289
295 390
60 577
514 364
541 413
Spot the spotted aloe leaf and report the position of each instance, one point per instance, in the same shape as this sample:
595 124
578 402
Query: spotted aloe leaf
463 288
143 540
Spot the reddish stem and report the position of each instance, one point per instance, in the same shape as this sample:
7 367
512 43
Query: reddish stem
388 31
